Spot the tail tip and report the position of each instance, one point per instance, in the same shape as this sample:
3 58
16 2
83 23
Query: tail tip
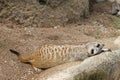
15 52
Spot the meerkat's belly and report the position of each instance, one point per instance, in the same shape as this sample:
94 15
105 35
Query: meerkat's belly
48 63
42 62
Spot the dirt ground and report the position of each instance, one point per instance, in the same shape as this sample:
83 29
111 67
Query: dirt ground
100 26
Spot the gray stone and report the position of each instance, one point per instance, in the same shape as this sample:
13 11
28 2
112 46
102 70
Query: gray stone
100 67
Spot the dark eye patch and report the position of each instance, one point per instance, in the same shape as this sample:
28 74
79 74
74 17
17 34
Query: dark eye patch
98 45
92 51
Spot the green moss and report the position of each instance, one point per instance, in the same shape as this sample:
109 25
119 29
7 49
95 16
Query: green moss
116 23
92 76
97 34
1 45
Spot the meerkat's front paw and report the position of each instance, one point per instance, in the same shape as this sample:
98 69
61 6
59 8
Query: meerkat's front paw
37 69
106 50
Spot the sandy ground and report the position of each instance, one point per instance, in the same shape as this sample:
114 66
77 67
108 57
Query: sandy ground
98 27
27 40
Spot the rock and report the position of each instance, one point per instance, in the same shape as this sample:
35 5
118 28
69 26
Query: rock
61 72
118 1
100 0
55 3
117 41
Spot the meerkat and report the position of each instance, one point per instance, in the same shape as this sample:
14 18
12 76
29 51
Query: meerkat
51 55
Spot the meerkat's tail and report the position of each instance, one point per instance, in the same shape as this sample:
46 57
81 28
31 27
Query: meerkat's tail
21 58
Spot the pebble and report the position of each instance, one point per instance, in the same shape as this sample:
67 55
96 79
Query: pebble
117 41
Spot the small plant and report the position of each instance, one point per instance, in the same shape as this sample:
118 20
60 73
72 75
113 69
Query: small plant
116 23
99 75
1 44
97 34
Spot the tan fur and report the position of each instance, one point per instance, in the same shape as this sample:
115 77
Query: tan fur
52 55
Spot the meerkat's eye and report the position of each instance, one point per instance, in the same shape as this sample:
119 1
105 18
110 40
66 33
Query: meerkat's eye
92 51
98 45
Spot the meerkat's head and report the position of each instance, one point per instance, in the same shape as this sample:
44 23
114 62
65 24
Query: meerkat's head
94 48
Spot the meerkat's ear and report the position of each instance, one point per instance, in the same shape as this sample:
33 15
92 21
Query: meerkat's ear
98 45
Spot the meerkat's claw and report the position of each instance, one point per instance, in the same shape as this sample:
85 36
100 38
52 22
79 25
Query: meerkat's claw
37 69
